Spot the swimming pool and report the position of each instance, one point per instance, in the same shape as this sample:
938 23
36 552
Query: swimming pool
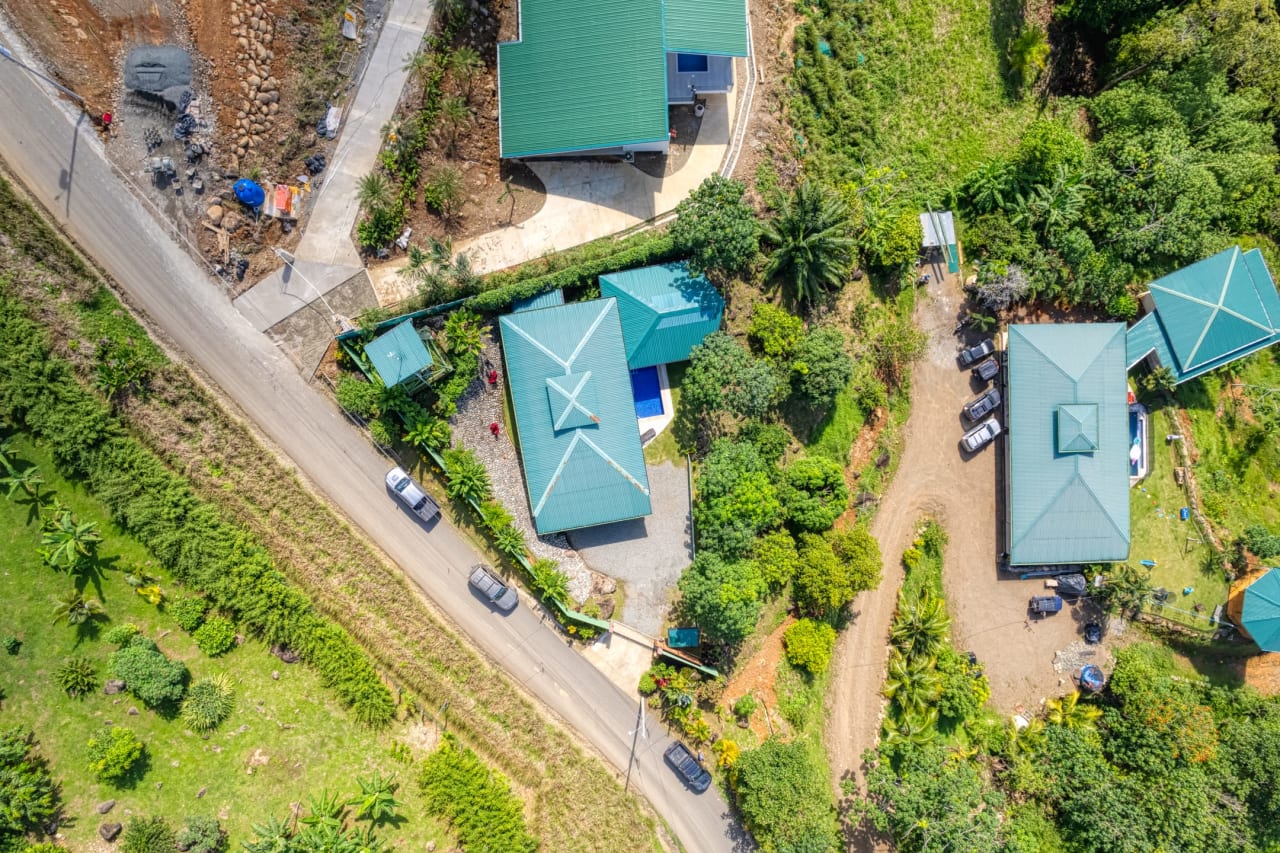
1137 443
647 392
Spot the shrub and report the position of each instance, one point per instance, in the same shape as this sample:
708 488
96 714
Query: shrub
647 685
27 790
776 331
476 801
809 645
12 644
717 228
77 676
379 228
188 612
814 493
112 753
216 637
120 635
770 440
745 707
1263 543
784 798
357 396
148 835
822 367
202 835
208 703
147 673
722 598
468 477
776 556
828 580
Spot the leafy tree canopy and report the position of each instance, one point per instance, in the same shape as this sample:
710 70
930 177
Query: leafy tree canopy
717 228
722 597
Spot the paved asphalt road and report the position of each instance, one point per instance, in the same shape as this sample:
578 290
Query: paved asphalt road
60 162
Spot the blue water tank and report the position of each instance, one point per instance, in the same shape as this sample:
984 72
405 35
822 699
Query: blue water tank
249 192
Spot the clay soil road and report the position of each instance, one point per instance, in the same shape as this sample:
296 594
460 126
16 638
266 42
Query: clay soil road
989 613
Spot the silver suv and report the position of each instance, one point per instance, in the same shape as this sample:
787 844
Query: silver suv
494 591
412 495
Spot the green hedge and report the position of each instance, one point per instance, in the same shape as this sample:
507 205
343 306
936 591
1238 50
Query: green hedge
584 265
40 394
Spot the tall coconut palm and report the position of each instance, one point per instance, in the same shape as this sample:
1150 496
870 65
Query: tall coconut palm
74 609
914 683
921 626
1069 713
813 244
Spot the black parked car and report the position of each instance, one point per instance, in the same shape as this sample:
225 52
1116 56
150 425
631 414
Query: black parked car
977 352
977 409
684 763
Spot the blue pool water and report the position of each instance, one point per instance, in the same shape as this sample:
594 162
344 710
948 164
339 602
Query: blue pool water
646 391
1136 438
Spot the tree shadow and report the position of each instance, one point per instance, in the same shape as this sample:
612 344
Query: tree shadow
92 571
1007 18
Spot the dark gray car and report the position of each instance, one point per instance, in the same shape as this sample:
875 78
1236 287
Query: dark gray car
977 352
484 581
689 768
979 408
987 369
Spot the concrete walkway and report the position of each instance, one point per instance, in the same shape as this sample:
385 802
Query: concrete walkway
328 229
586 200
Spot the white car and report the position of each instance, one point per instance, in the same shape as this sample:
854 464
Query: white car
981 435
413 495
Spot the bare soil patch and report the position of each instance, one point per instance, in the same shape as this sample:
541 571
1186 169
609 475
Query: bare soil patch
756 677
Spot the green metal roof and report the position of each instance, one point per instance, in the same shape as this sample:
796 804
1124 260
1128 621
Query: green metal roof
579 440
665 311
1261 614
1215 311
707 26
1068 503
542 300
585 74
398 354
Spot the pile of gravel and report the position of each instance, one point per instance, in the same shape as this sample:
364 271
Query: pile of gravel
478 407
1075 656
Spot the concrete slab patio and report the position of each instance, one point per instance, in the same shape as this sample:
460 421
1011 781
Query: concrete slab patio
645 555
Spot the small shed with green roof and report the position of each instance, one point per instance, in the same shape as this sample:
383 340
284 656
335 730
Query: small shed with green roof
575 416
665 311
595 76
1067 445
400 357
1208 314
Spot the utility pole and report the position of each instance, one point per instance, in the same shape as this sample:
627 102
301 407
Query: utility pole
8 54
640 731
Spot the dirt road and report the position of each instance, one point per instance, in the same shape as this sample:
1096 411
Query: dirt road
989 614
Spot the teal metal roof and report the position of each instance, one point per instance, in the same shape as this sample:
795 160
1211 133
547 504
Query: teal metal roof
1068 502
585 74
706 26
398 354
542 300
579 440
1261 614
665 311
1213 312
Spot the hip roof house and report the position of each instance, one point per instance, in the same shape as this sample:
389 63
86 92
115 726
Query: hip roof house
1068 444
575 416
595 76
665 311
1208 314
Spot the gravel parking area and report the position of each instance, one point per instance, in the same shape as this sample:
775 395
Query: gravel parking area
479 407
646 554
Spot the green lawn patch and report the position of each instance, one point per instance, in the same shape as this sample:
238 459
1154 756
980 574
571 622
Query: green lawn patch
1158 533
664 448
286 739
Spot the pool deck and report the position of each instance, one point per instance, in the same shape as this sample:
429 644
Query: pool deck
658 423
1144 462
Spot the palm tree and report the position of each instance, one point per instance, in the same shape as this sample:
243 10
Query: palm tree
419 65
510 541
467 477
549 581
7 454
921 627
913 682
813 244
325 810
455 114
1069 713
374 192
74 609
443 192
28 480
1028 54
270 837
914 727
1029 740
466 65
376 801
69 542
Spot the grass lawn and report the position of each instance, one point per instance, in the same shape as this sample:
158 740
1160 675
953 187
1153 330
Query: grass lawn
285 741
664 447
1239 465
1157 533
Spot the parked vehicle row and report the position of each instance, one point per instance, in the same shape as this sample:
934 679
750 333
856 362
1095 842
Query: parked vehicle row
482 578
981 358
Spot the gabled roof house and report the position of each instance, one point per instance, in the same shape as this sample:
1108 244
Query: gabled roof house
1208 314
665 311
594 77
1068 444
